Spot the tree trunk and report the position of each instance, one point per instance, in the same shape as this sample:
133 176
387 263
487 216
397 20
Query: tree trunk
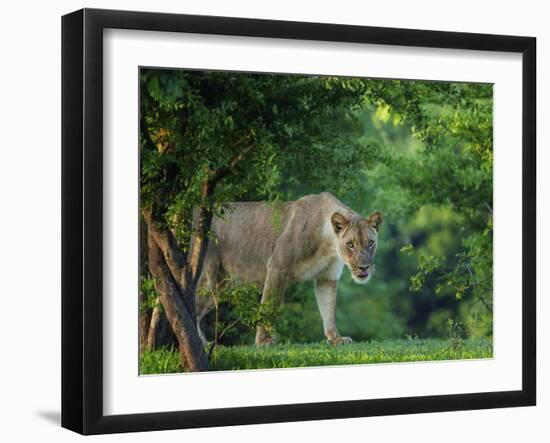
175 261
158 331
154 327
182 321
144 322
144 313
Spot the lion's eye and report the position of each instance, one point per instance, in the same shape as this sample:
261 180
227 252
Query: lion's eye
370 244
349 245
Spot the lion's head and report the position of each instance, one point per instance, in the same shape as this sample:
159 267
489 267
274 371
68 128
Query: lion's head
357 242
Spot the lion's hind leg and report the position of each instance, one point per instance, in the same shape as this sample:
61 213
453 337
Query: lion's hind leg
272 295
208 287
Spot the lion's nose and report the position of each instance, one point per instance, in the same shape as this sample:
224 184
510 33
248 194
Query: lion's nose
364 268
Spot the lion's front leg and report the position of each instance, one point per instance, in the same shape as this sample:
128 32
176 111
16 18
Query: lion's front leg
325 292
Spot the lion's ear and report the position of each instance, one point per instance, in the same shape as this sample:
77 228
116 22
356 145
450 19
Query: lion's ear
338 221
375 220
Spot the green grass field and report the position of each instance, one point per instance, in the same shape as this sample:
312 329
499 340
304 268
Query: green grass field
163 361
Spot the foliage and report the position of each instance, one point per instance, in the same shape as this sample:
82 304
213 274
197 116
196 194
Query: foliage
245 309
451 169
195 122
426 265
147 289
159 361
320 354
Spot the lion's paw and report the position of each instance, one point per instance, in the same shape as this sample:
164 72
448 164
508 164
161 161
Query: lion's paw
346 341
265 341
340 341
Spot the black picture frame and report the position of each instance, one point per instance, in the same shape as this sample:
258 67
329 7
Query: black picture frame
82 219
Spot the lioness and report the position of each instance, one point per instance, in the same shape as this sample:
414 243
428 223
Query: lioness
308 239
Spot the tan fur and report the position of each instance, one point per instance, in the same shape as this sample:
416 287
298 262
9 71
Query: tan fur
272 245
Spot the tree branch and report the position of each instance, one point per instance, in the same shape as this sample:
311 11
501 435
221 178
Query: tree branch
166 241
175 260
481 298
223 171
204 219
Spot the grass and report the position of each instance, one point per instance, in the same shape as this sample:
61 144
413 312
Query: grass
163 361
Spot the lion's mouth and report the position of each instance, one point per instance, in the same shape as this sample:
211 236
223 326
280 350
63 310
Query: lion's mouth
362 274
